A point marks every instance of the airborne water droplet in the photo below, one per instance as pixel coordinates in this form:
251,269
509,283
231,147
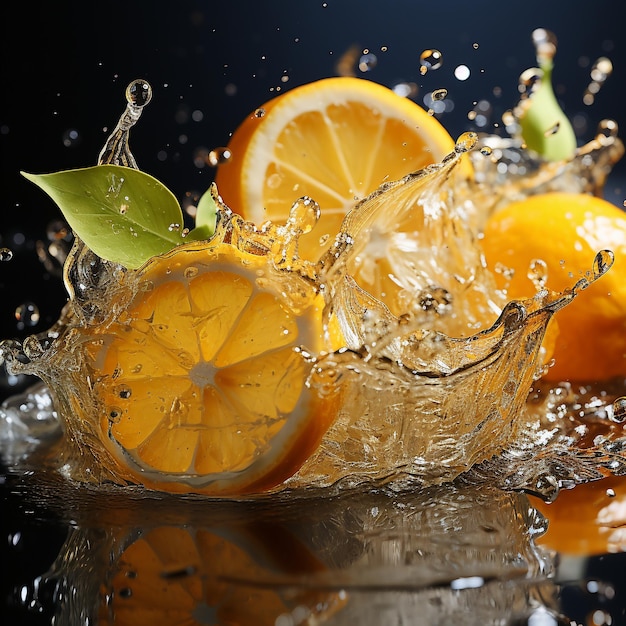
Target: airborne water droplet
439,94
57,229
32,347
602,263
466,142
545,45
538,273
218,156
27,314
607,131
530,80
430,60
619,409
6,254
367,62
139,93
304,214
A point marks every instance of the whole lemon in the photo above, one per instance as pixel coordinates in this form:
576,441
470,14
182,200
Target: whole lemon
566,231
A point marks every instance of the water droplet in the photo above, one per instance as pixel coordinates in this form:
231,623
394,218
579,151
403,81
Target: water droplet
114,414
367,62
304,214
218,156
599,617
260,112
27,314
439,94
545,44
190,272
601,69
462,72
435,299
602,263
475,46
32,347
124,392
173,227
486,150
125,592
56,230
529,81
538,273
466,142
406,90
610,493
619,409
607,130
139,93
430,59
6,254
71,138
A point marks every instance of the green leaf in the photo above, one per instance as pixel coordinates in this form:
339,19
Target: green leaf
207,210
122,214
206,216
545,127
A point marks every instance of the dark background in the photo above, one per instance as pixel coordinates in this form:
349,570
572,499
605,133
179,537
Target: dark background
65,67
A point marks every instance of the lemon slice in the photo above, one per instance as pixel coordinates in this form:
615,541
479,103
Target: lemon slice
335,140
202,379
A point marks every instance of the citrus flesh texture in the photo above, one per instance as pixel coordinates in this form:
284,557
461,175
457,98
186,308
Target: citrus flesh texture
566,231
335,140
202,381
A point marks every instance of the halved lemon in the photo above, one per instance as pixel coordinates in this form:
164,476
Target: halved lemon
202,379
335,140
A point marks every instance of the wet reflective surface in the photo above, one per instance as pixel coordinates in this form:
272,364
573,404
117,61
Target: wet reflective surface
452,554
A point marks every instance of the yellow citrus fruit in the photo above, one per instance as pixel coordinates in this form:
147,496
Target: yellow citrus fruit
335,140
201,378
566,231
586,520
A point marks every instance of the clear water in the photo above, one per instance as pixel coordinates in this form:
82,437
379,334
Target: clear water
427,395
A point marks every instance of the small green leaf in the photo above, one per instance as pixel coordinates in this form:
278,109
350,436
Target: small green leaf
207,210
122,214
545,127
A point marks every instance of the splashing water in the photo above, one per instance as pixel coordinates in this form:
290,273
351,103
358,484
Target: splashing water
434,377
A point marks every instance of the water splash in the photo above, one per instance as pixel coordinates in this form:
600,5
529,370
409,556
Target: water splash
116,150
434,373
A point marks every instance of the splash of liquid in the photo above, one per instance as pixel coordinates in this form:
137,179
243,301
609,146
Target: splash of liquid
434,376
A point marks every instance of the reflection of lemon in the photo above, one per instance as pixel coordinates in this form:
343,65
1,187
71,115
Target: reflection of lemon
334,140
566,231
203,385
173,575
588,519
